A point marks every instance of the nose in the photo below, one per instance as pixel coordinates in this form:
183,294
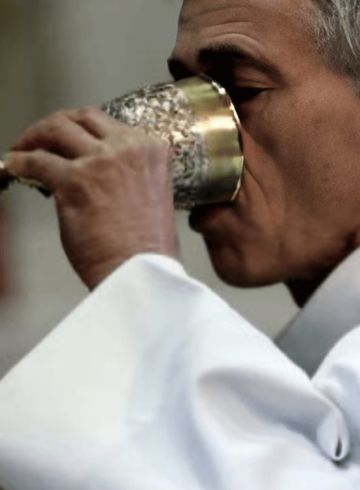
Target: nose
199,213
178,70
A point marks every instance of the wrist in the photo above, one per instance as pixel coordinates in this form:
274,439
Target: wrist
96,274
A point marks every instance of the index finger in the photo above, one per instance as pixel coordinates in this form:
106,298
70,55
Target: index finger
58,134
38,166
95,121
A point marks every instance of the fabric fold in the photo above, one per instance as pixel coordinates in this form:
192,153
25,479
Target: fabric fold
155,382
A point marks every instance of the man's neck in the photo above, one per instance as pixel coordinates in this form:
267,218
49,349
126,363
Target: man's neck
302,289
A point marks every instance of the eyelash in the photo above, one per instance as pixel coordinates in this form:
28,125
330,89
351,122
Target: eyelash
239,95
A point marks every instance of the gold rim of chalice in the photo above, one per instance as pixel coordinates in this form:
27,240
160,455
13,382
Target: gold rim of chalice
220,129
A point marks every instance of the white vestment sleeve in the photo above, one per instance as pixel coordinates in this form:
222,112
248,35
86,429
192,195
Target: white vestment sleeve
155,383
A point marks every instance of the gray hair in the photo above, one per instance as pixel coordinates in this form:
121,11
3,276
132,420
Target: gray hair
338,35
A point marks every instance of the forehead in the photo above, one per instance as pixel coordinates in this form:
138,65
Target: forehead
265,20
277,10
278,29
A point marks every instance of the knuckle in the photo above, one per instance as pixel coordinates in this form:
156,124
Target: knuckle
31,162
152,140
87,113
55,122
155,149
136,149
58,116
75,188
107,153
106,166
160,147
87,171
77,171
132,148
134,156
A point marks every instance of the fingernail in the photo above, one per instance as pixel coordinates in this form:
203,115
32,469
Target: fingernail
6,160
5,177
2,162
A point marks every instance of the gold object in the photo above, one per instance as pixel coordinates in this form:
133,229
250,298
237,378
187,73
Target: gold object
197,119
219,126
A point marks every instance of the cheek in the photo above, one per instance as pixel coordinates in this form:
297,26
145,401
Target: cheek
282,148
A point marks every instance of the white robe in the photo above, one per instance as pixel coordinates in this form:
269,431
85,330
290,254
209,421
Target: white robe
155,383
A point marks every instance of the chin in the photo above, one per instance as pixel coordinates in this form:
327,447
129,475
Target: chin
246,268
236,271
238,277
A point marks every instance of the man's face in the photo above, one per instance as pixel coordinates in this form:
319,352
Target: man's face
299,204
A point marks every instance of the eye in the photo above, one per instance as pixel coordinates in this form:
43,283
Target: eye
239,95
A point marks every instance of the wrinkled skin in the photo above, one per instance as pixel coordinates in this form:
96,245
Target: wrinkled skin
298,212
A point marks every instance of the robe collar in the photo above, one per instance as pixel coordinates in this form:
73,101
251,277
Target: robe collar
331,312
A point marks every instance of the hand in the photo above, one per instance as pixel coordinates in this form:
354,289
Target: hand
110,183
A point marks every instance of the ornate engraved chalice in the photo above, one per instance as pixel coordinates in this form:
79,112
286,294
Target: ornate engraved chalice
197,119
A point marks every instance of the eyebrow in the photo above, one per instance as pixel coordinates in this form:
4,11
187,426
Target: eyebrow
220,55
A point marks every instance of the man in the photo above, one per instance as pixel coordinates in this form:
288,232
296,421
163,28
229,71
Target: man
154,382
